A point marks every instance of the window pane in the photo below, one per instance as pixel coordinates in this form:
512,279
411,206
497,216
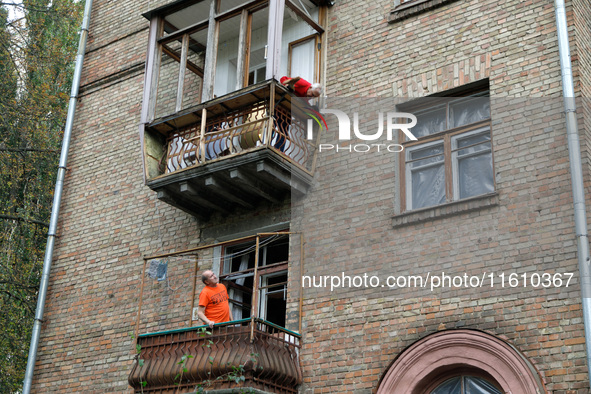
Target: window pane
429,121
474,149
426,176
294,30
273,298
225,71
469,110
428,186
475,175
451,386
193,74
258,41
473,139
479,386
302,59
168,80
426,152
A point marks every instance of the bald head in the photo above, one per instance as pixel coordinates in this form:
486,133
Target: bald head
209,278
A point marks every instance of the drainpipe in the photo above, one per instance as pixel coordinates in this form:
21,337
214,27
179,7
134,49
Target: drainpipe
59,185
576,171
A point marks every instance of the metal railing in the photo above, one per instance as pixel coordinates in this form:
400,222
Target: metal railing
264,123
259,353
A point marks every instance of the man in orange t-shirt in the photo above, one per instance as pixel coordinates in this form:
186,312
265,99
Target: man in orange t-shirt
213,301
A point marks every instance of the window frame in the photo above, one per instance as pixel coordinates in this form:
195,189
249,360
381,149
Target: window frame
259,272
446,137
465,372
158,39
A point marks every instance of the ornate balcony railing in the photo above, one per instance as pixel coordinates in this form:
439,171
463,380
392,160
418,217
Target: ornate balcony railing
250,353
233,151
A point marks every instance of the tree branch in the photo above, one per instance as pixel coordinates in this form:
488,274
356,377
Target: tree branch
9,217
20,150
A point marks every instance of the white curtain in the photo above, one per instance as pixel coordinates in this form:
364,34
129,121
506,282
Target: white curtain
238,295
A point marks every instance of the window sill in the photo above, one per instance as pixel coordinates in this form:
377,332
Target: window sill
414,7
446,210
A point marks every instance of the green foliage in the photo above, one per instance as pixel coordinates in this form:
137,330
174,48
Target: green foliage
235,375
37,51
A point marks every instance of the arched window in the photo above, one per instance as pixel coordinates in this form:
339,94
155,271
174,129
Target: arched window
466,385
461,362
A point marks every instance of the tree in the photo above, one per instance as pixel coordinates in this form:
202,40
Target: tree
37,53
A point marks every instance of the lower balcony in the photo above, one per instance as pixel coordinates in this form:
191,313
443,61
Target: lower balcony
234,152
249,353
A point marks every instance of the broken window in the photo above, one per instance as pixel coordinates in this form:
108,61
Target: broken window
261,284
200,50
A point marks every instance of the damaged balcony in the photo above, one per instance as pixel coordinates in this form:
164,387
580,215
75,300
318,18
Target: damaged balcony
236,151
248,353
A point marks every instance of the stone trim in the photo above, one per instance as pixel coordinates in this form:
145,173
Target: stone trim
446,210
434,355
413,7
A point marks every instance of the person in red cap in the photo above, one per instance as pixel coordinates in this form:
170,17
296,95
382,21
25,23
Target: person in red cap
301,87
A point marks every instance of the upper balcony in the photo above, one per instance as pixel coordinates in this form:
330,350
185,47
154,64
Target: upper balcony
233,151
218,131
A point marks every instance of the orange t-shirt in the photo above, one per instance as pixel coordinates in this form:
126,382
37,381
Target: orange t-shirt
215,301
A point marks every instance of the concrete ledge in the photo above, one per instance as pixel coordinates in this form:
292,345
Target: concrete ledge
446,210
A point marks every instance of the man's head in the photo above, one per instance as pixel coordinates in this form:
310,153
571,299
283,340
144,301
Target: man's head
314,91
209,278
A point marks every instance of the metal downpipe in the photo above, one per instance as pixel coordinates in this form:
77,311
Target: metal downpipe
576,171
61,173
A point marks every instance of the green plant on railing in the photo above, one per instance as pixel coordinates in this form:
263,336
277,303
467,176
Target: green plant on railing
202,331
183,364
236,375
140,362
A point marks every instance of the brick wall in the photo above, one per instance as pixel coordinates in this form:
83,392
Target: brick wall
110,220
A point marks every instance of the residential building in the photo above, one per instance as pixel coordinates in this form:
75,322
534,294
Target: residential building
443,263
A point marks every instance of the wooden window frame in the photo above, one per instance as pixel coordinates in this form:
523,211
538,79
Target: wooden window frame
446,136
158,40
301,41
257,272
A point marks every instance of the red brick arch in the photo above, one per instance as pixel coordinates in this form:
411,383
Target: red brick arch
436,356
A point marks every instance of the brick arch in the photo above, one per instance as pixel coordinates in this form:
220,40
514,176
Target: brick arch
436,355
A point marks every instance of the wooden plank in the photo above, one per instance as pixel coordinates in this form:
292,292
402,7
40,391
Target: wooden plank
175,56
182,70
249,46
202,136
252,186
211,53
292,183
243,48
305,17
225,192
153,71
268,133
186,30
193,291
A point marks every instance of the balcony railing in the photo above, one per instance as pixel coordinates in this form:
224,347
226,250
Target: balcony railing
233,151
249,353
